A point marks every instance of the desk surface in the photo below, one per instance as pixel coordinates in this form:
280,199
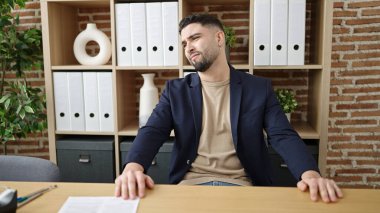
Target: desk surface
173,198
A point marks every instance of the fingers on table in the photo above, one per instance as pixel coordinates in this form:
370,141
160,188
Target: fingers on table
326,188
323,192
313,188
141,184
132,184
301,185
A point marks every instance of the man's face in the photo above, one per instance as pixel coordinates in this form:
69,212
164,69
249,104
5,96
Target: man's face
201,45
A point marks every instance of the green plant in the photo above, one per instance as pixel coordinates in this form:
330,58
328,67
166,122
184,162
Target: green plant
287,100
22,108
230,36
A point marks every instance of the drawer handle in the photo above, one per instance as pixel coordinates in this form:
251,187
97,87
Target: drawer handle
283,165
154,162
84,158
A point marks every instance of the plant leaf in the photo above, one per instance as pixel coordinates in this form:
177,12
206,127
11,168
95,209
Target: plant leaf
5,97
7,103
29,109
22,114
18,109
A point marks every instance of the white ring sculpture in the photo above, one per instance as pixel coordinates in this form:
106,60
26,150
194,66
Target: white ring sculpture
91,33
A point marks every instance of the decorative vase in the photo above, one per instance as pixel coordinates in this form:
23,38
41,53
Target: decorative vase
91,33
148,98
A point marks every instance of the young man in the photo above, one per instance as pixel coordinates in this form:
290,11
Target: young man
218,116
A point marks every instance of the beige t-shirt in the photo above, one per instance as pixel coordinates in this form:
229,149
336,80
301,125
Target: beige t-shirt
217,159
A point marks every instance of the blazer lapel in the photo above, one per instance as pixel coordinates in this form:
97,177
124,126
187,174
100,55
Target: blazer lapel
196,103
235,98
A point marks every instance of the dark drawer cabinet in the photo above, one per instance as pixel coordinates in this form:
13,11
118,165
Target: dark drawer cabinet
159,170
281,174
86,159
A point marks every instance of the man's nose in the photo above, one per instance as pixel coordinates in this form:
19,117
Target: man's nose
189,48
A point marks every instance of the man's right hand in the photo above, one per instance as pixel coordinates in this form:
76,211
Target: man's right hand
132,182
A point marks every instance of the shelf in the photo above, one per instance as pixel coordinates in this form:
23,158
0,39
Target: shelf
221,2
66,19
83,3
82,133
241,66
132,128
302,128
236,66
292,67
82,67
305,130
147,68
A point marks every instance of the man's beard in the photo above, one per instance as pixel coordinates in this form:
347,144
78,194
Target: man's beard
203,64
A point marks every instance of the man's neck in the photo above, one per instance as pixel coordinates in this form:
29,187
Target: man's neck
218,71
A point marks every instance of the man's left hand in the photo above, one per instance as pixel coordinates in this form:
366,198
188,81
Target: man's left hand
326,188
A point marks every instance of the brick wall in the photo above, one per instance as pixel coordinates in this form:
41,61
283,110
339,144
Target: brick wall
354,133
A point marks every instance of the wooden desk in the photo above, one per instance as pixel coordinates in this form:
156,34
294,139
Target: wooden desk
194,199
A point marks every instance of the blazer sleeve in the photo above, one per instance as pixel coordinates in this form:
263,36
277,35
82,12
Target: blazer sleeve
284,139
157,130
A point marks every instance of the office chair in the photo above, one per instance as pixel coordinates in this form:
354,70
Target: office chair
22,168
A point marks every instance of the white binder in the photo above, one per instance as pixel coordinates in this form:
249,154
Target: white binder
279,32
261,32
123,35
91,101
170,33
296,32
76,100
154,34
61,101
138,34
106,114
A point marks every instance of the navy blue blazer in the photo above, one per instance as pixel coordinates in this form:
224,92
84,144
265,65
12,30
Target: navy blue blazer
254,108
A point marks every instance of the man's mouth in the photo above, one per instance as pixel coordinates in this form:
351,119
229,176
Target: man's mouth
192,56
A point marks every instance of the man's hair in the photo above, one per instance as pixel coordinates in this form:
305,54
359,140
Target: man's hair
203,19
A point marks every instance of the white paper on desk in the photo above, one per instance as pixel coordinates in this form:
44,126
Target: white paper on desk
99,205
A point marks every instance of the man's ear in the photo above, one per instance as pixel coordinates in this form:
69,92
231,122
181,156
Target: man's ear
220,38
